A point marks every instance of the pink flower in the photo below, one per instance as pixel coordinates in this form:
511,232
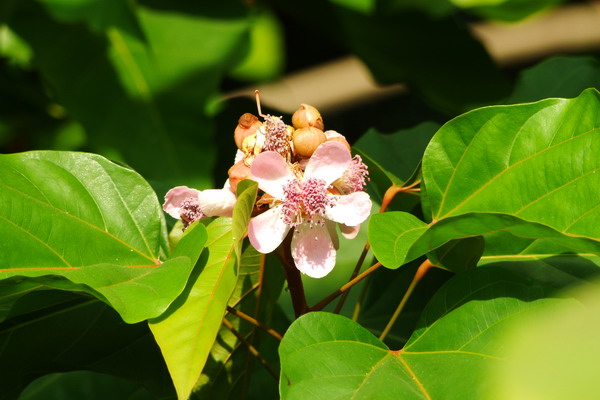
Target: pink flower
306,205
190,205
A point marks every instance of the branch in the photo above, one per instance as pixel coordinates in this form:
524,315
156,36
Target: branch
251,349
321,304
421,272
254,322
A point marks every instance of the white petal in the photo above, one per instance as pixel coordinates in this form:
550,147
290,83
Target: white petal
267,230
350,209
216,202
329,162
271,172
313,251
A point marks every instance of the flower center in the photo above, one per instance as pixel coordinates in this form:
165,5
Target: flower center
190,211
305,201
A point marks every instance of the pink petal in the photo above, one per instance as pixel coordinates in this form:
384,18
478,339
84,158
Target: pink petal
313,251
329,162
267,230
175,196
349,232
350,209
217,202
271,172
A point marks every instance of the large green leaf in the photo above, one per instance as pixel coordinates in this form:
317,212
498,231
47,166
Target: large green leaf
510,169
76,221
327,356
138,76
527,160
187,330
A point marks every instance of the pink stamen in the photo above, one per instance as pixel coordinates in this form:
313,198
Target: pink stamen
355,177
306,201
190,211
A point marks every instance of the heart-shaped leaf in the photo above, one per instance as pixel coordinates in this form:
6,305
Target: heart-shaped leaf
77,221
327,356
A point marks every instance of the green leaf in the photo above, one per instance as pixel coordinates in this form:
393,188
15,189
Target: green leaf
78,334
392,234
399,152
266,54
526,160
83,385
418,46
104,239
564,76
328,356
187,330
505,169
508,10
138,76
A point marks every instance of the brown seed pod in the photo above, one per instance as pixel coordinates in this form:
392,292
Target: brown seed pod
237,173
307,116
333,136
306,140
247,125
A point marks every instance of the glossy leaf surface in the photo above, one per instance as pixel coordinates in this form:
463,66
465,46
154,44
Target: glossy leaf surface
77,221
510,169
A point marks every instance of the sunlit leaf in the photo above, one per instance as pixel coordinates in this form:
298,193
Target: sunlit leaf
328,356
103,239
187,330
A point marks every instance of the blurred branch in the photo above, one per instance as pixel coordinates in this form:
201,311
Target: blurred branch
347,82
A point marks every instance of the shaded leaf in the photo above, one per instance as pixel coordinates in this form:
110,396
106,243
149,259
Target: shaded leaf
79,333
562,76
83,385
137,77
508,10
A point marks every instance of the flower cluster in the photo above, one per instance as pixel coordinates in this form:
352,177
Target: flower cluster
308,179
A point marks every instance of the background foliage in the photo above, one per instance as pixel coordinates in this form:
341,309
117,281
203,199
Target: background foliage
95,301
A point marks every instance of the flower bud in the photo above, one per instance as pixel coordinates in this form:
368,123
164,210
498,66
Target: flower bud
307,116
333,136
306,140
247,125
237,173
